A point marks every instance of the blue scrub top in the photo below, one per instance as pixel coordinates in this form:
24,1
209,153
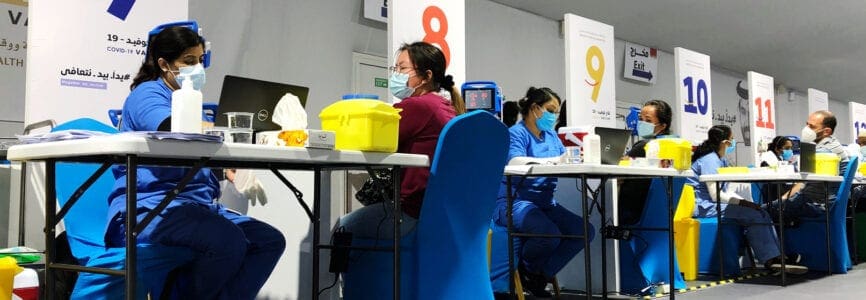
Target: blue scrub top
147,106
539,190
706,165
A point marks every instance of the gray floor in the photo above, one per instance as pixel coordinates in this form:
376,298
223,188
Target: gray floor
813,286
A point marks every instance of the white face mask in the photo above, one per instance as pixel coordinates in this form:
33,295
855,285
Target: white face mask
808,135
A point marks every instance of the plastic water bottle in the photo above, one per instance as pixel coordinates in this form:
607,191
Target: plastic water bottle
592,149
186,108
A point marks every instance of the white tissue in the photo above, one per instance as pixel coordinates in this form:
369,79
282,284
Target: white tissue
289,113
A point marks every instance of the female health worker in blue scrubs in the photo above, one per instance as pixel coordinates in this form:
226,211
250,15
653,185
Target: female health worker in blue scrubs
535,210
707,159
235,253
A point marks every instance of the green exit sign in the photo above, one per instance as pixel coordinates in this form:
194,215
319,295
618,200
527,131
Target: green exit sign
380,82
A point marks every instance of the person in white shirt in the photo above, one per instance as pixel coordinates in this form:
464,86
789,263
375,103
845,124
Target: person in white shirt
780,149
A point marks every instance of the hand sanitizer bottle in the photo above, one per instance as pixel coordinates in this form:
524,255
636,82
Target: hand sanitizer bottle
592,149
186,108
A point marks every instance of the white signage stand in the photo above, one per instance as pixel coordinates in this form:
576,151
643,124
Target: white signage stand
83,68
589,73
438,22
818,100
763,114
693,110
857,113
13,51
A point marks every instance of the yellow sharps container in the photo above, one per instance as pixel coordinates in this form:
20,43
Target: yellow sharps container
362,124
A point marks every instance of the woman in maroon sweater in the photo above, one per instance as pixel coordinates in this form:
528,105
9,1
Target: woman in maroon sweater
428,101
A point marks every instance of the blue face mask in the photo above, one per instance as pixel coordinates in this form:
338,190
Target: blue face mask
194,73
398,85
645,129
732,147
546,122
787,154
863,151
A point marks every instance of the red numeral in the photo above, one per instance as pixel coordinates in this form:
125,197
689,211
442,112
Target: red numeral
436,37
768,103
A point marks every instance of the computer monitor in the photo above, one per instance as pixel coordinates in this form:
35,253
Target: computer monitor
259,97
807,157
479,99
482,95
613,142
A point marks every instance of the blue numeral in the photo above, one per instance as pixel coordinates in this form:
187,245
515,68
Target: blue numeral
703,97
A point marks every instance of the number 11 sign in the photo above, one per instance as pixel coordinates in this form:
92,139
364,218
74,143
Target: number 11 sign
762,112
693,105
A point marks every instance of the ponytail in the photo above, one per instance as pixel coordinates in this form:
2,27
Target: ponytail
715,136
447,83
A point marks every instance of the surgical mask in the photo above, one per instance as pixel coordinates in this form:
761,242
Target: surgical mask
546,122
194,73
808,135
732,147
788,153
398,84
863,151
645,129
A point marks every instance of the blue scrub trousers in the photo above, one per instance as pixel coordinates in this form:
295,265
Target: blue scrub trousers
761,237
235,254
545,255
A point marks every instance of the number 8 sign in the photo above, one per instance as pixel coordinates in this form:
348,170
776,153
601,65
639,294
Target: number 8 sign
693,95
441,23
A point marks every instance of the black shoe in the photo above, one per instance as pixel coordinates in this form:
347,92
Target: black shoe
793,259
775,265
534,283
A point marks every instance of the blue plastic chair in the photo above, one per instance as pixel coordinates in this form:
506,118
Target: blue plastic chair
809,238
647,251
85,228
708,248
446,256
209,110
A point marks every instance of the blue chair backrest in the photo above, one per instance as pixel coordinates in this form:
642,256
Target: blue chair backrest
840,208
651,250
461,193
209,110
85,222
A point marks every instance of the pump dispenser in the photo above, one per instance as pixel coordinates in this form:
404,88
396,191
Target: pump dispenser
186,108
592,149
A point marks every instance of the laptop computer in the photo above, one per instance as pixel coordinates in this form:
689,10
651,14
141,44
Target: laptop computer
807,157
613,142
259,97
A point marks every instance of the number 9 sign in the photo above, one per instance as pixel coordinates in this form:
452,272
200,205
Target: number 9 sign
595,71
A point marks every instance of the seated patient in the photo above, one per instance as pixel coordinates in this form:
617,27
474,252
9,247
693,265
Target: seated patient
417,78
235,254
707,159
534,209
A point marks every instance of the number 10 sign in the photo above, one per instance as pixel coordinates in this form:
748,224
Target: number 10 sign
693,106
762,112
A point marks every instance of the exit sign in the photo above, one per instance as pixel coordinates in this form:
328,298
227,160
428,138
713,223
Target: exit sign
380,82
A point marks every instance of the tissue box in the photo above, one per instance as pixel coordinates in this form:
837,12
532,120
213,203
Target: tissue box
309,138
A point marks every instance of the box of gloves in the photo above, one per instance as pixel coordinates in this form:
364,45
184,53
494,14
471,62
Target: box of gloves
309,138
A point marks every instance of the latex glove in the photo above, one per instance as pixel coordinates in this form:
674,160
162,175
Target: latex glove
249,186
